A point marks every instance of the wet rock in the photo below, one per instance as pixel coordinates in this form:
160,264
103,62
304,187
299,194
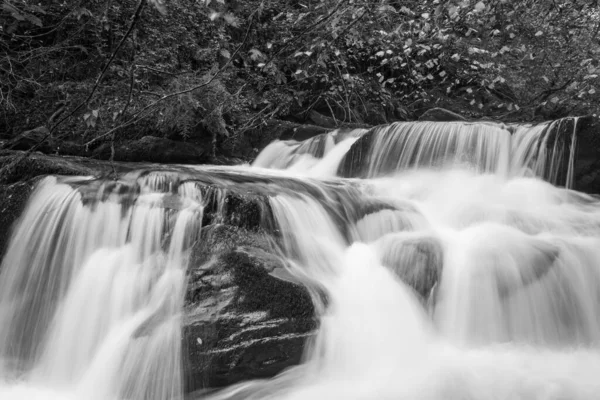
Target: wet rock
20,167
441,115
242,320
538,262
416,260
587,158
356,161
13,201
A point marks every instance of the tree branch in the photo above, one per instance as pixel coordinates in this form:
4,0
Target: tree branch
140,114
134,18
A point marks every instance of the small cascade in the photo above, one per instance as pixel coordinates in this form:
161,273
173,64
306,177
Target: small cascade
319,156
545,150
403,145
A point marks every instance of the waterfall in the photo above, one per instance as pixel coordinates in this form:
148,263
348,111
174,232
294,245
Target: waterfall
544,150
444,261
91,292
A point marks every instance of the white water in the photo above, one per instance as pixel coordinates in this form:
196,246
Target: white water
469,283
92,299
515,316
509,151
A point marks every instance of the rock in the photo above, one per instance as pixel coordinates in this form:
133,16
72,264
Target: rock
156,150
321,120
441,115
242,320
301,132
417,261
37,164
587,164
355,162
14,199
33,137
245,315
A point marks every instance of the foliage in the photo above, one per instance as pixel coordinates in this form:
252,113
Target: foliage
355,60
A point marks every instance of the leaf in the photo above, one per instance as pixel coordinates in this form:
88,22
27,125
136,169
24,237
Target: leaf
256,55
479,6
406,10
34,20
452,11
539,33
225,53
159,5
231,20
90,118
380,53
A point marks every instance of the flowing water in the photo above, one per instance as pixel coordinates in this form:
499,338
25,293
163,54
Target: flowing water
470,272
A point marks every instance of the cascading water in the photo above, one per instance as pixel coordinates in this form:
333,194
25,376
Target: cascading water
91,294
474,281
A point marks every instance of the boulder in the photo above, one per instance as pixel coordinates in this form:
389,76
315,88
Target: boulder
441,115
242,320
416,260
